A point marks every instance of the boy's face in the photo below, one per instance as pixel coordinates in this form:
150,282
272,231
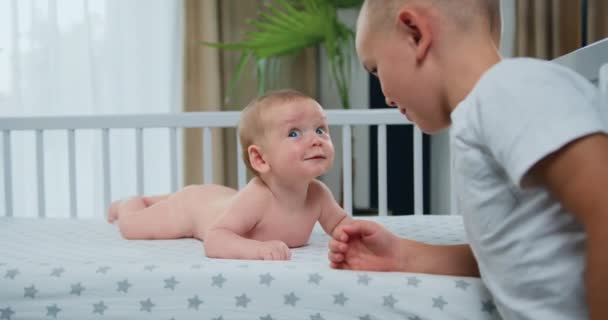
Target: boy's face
298,144
390,53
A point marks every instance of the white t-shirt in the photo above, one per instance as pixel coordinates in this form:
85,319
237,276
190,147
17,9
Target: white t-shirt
530,250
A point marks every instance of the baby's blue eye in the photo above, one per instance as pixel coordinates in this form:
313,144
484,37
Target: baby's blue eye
320,131
293,133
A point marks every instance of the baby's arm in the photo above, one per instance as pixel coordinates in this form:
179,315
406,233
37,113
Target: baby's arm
332,215
578,176
226,239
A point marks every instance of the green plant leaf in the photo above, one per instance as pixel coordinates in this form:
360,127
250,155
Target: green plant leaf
288,27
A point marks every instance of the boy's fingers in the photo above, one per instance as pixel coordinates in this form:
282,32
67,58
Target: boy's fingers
359,228
335,257
337,246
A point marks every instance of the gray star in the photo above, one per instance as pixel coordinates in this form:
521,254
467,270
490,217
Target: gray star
146,305
194,302
314,278
340,299
218,281
242,300
462,284
291,299
77,289
488,306
364,279
6,313
123,286
316,317
12,273
413,281
439,302
52,311
365,317
171,283
103,269
389,301
266,317
150,267
266,279
30,292
57,272
99,307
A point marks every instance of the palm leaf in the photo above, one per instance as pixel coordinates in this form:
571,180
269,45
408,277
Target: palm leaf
288,27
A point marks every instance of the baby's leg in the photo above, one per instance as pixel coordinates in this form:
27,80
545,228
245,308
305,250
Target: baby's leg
160,220
114,212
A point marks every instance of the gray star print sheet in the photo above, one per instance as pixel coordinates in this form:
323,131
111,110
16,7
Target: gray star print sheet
83,269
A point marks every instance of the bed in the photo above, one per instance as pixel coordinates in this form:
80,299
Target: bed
80,268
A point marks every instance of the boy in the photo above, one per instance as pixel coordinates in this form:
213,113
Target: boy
529,153
286,142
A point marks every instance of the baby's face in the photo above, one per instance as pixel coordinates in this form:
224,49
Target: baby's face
298,144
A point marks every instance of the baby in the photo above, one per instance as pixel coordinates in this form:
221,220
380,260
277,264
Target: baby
286,143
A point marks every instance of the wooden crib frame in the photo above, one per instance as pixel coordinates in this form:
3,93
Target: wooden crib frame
206,121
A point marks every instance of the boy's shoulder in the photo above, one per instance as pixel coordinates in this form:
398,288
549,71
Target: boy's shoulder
523,73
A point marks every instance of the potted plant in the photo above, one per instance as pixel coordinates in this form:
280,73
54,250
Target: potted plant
286,27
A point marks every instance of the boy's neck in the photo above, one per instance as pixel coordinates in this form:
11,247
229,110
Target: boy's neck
290,194
465,65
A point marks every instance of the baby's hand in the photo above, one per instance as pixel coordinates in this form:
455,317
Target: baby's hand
274,250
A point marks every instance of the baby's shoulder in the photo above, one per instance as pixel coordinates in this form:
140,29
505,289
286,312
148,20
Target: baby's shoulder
257,189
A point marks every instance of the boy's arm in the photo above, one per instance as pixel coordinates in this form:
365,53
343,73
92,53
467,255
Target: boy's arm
226,237
332,215
577,175
367,245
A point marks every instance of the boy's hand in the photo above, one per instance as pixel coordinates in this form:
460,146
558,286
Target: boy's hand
365,245
274,250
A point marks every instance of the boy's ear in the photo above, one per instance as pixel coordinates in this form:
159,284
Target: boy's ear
256,159
417,22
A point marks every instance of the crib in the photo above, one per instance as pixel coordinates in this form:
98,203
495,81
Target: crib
80,268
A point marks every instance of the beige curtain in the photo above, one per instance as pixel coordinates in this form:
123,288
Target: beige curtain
208,73
551,28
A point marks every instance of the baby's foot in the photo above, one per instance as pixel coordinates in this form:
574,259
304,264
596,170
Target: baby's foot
113,211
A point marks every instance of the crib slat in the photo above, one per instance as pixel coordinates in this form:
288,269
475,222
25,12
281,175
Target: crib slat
207,157
72,171
347,172
139,146
105,153
40,172
173,151
240,165
418,184
382,190
8,178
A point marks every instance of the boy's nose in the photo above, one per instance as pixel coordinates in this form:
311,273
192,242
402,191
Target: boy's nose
390,102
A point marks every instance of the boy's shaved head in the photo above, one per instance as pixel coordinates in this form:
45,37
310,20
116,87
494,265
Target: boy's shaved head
463,12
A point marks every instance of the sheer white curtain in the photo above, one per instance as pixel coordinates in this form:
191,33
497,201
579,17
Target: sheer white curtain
74,57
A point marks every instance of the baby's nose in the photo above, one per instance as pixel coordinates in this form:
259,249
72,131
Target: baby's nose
390,102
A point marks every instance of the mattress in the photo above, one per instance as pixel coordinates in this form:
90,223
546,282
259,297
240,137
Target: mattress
83,269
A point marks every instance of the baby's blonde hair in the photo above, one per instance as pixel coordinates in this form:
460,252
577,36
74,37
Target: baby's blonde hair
251,126
463,12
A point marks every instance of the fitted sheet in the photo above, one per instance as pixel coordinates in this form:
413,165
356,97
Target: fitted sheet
83,269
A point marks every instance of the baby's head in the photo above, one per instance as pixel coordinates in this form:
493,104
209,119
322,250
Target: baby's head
424,50
283,129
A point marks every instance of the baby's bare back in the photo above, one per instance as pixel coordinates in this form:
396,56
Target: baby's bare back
202,204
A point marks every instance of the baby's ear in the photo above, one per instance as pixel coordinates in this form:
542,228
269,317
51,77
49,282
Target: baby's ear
256,159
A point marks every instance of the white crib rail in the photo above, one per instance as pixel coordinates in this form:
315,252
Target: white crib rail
205,120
